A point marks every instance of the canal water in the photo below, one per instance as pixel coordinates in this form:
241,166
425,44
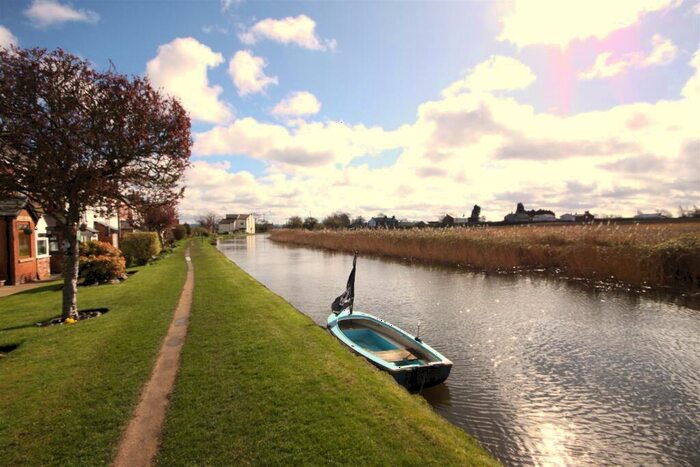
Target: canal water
546,372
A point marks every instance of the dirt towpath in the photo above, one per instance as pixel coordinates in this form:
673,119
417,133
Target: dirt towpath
139,443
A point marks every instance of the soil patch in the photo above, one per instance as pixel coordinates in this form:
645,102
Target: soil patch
88,313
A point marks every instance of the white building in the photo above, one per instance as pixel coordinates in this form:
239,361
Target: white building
237,223
544,218
567,218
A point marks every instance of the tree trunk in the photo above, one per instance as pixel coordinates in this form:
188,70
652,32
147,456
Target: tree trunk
71,264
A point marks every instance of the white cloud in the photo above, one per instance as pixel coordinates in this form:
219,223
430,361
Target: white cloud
462,149
180,68
662,53
43,13
306,145
246,71
543,22
6,37
298,104
495,74
210,28
691,90
299,30
228,4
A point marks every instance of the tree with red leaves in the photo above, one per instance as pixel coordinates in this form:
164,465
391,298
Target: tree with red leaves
157,218
72,137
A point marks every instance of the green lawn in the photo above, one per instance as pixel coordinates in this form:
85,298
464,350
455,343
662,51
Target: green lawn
67,391
260,383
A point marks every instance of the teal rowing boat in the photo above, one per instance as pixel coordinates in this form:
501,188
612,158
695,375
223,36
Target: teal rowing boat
411,362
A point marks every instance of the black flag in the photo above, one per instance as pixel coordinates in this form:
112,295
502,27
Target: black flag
346,298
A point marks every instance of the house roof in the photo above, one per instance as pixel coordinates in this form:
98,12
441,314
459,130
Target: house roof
234,217
384,219
13,206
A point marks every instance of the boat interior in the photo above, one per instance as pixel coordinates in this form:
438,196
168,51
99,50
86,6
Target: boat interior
386,343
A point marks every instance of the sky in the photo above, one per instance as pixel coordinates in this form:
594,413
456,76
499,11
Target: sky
413,109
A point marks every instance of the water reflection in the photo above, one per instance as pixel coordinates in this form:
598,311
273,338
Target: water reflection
545,371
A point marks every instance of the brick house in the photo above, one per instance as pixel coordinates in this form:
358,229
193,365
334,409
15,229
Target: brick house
24,245
95,225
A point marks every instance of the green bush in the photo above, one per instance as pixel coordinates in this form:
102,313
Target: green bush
179,232
101,262
140,247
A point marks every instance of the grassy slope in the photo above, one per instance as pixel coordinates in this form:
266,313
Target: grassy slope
260,383
67,391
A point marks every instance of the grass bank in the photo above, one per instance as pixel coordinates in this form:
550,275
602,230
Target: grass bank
260,383
656,255
67,391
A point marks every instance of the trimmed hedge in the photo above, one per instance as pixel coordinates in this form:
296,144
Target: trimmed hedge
140,247
100,262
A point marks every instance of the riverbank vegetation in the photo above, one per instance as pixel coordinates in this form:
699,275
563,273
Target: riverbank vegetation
260,383
68,390
639,255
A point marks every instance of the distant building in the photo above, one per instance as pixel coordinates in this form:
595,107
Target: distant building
521,215
655,215
237,223
383,222
411,224
518,217
450,221
585,217
567,217
544,218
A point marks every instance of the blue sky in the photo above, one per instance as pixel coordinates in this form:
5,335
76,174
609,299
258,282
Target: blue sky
411,108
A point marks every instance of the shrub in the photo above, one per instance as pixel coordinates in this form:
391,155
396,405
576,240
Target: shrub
140,247
200,232
101,262
179,232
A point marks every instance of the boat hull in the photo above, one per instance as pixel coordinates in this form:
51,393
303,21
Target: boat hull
412,363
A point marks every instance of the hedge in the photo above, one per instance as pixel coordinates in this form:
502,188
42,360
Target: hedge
140,247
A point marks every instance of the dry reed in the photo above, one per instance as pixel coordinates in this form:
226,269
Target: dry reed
636,254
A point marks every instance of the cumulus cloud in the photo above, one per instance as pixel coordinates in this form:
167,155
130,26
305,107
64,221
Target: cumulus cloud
307,145
299,30
498,73
180,68
640,164
464,148
247,72
6,37
298,104
662,53
542,22
523,148
44,13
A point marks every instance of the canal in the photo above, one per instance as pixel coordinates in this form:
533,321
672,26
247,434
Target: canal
545,371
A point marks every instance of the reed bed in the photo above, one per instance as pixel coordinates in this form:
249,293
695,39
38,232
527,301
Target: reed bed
636,254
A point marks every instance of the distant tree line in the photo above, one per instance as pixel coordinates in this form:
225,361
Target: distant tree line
337,220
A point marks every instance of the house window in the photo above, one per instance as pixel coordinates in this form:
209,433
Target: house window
42,246
25,250
54,245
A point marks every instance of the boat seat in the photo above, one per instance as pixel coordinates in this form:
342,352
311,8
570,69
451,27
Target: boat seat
396,355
